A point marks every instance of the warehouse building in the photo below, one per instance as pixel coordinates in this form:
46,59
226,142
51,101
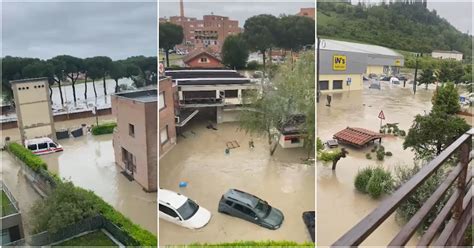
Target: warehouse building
343,64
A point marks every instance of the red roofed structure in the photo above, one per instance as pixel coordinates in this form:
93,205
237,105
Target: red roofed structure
357,136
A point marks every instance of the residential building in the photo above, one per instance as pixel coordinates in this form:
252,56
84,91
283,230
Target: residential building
447,55
11,221
134,139
166,108
308,12
343,64
33,108
220,92
202,59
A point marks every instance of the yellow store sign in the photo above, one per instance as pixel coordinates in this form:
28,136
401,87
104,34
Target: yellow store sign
339,62
397,62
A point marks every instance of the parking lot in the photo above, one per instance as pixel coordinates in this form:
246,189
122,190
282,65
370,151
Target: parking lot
283,180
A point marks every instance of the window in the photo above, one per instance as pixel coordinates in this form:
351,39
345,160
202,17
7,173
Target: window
337,85
162,100
168,211
228,202
43,146
131,130
164,135
32,147
324,85
129,160
239,207
231,93
52,145
295,140
204,59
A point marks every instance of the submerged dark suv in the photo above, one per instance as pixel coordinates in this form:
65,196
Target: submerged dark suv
251,208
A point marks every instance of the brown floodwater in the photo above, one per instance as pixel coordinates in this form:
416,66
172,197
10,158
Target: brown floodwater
340,206
199,159
89,162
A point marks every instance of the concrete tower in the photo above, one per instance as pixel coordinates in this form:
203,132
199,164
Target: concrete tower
181,8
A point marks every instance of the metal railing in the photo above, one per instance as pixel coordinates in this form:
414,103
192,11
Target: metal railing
12,206
458,209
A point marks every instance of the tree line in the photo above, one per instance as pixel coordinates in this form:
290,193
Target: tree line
402,25
262,33
140,69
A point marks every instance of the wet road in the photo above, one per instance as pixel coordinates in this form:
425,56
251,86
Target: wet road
340,206
199,159
89,162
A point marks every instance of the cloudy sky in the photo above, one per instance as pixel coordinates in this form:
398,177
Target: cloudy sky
236,9
47,29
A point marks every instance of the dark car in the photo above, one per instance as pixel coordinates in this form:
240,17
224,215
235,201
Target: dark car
251,208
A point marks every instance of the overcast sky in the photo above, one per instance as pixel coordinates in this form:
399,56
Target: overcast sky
235,10
47,29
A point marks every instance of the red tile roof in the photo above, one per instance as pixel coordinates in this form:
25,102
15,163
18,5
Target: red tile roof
356,136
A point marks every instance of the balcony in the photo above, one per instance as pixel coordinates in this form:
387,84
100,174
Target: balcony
457,211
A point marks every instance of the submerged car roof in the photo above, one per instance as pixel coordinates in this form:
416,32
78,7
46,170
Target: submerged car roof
38,140
171,198
243,197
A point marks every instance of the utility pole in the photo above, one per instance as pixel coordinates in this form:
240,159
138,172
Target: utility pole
416,73
318,93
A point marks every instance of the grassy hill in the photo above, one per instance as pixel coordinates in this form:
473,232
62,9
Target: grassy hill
401,26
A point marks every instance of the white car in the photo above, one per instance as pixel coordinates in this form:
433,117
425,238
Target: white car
41,146
181,210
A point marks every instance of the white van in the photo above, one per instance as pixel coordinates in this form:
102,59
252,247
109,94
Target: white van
42,146
181,210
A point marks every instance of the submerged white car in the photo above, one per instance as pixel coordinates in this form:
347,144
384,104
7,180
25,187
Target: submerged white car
181,210
41,146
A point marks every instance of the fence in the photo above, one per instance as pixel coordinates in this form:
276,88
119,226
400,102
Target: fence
85,225
457,210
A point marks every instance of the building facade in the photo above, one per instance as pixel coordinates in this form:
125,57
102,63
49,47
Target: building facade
166,108
343,64
209,32
447,55
308,12
33,108
134,139
202,59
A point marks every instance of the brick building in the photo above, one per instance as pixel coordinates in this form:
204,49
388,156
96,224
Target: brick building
134,140
167,115
308,12
202,59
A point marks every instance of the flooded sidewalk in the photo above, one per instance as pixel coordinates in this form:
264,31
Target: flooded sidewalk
89,162
340,206
199,159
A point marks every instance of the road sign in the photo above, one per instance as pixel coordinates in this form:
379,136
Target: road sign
381,115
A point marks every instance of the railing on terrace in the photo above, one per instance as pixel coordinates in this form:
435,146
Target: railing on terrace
11,206
458,209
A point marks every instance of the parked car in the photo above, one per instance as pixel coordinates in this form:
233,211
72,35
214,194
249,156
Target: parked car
41,146
251,208
181,210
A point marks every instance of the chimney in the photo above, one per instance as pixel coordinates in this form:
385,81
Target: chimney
181,8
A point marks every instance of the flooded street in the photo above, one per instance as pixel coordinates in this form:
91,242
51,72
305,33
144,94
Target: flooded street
340,206
199,159
89,162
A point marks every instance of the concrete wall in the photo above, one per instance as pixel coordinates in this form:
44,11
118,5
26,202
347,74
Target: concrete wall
167,115
33,109
356,82
456,56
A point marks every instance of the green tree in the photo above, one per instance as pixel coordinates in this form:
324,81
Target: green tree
71,67
234,52
40,69
294,32
292,93
427,77
446,100
59,68
259,33
64,206
170,36
117,71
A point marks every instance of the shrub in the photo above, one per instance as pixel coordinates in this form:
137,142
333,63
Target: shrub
319,144
388,154
380,155
402,133
328,156
389,130
368,156
29,158
362,179
253,65
105,128
374,149
380,183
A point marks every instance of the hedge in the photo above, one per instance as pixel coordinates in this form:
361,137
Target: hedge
29,158
268,243
105,128
140,236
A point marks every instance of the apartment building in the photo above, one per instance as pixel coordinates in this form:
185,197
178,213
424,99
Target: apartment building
134,140
308,12
167,115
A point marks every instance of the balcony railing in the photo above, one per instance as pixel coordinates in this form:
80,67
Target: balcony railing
458,209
